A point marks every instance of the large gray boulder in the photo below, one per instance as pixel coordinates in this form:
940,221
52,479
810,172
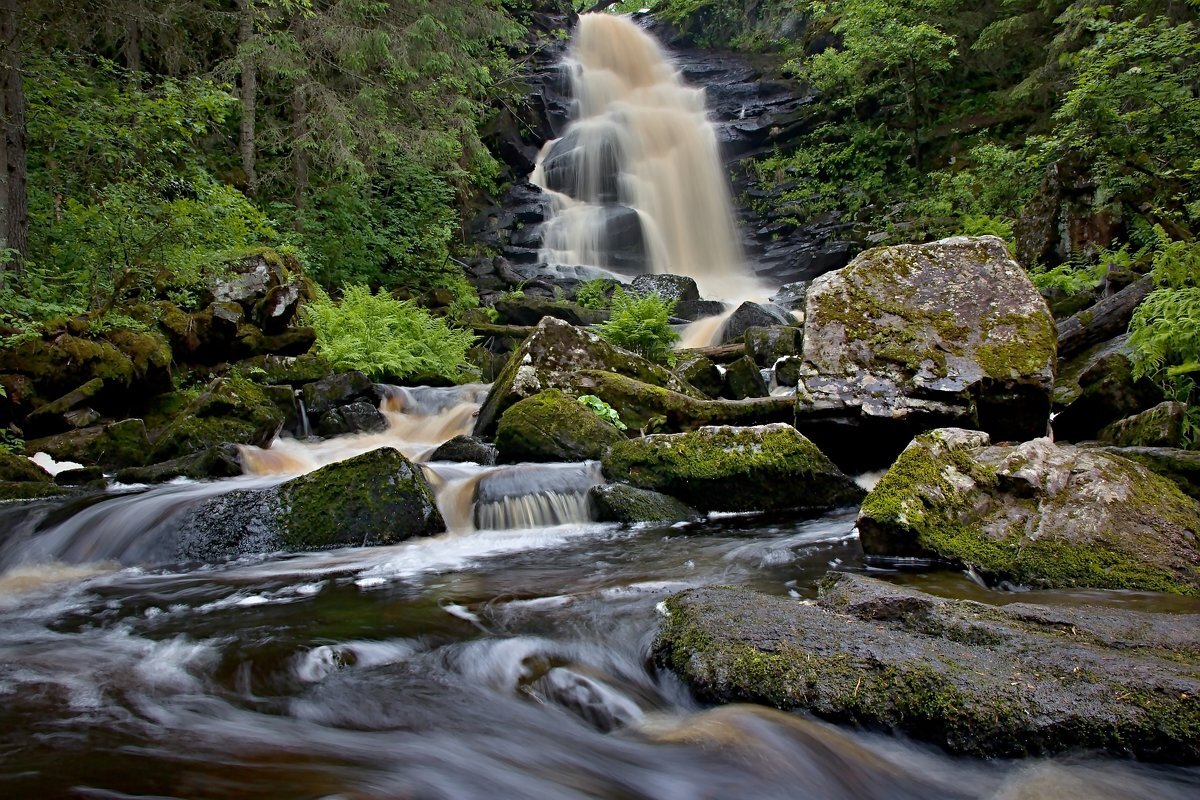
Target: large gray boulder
553,357
977,679
723,468
376,498
1034,513
952,330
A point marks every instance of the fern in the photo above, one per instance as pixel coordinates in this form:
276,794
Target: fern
641,324
386,338
594,294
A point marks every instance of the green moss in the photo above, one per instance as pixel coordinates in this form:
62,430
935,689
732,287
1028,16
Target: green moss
29,490
552,426
18,468
1016,344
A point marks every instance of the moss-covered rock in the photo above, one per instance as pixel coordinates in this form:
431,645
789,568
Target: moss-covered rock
229,409
979,680
56,416
376,498
768,345
949,321
552,426
118,444
531,311
619,502
700,372
722,468
743,380
129,362
221,461
30,490
1161,426
19,468
553,357
293,371
1034,513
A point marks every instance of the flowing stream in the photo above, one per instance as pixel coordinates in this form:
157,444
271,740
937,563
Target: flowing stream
507,658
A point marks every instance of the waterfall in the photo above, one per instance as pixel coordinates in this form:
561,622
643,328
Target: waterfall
636,180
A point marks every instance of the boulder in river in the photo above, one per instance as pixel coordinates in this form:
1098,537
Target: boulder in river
552,426
620,502
21,479
377,498
723,468
979,680
1034,513
955,323
465,449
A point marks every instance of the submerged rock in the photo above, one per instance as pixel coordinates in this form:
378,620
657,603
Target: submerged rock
553,357
552,426
954,326
377,498
619,502
764,468
1034,513
978,680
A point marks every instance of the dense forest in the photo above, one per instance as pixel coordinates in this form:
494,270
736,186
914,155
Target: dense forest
148,144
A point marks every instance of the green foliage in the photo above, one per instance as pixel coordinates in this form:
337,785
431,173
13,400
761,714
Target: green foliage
10,442
602,409
1069,278
594,294
386,338
640,324
1165,330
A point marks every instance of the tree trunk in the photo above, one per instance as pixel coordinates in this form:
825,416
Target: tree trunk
249,91
132,49
15,196
299,152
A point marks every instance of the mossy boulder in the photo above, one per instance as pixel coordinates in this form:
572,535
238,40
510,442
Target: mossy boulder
979,680
743,380
285,370
30,490
553,357
1161,426
768,345
723,468
700,372
1036,514
753,315
376,498
956,322
619,502
220,461
552,426
131,363
125,443
19,468
1181,467
229,409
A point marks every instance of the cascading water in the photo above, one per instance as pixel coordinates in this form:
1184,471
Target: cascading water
636,179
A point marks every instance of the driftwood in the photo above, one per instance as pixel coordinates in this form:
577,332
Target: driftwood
720,353
1102,321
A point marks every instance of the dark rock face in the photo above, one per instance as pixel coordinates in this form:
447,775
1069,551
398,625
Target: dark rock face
1097,388
356,417
376,498
692,310
465,448
555,356
975,679
618,502
700,372
764,468
1036,514
552,426
950,330
753,315
530,311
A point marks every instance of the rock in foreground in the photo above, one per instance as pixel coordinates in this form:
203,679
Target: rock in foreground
1035,513
979,680
721,468
376,498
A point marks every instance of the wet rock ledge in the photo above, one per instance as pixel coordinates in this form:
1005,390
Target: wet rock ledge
979,680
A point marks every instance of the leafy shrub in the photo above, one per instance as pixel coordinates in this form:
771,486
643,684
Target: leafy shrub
1165,329
594,294
641,324
385,337
1069,278
602,410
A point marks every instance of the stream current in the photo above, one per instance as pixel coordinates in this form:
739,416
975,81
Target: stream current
499,660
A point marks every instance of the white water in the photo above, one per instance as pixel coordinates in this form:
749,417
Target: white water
632,106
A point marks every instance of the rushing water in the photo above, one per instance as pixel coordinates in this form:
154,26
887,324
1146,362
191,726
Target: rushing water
507,659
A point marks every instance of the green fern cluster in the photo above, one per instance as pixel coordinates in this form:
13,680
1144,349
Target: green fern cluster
386,338
1165,330
641,324
594,294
